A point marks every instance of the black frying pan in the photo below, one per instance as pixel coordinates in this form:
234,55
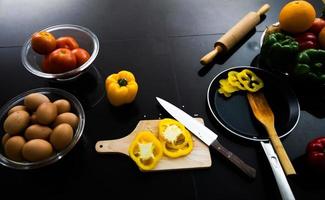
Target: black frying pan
235,115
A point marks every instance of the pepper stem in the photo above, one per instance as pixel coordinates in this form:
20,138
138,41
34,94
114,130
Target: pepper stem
122,82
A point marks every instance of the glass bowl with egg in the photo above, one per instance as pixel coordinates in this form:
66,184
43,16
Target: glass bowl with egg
73,36
39,127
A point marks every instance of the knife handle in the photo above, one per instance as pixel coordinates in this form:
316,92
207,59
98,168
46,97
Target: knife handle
248,170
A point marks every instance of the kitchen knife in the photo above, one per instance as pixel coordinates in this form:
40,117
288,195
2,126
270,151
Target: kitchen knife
206,135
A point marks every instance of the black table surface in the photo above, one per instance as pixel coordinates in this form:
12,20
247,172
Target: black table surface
161,42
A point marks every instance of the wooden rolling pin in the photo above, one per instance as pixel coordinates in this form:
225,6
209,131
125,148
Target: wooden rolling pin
235,34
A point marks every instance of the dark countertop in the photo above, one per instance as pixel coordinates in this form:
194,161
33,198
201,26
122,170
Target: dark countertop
161,42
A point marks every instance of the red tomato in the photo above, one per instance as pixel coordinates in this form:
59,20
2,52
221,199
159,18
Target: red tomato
46,65
82,55
306,40
43,42
317,25
66,42
62,60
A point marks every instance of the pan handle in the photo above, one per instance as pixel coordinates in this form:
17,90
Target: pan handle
278,172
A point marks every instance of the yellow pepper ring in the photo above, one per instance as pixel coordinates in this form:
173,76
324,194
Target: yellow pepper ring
233,80
175,153
244,80
146,150
250,80
172,132
222,91
227,87
176,139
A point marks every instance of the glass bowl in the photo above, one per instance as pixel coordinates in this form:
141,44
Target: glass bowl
264,33
86,39
53,94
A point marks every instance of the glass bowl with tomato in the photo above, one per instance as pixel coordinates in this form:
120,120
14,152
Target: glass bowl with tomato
27,141
60,52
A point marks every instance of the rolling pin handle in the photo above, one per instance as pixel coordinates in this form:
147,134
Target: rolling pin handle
208,58
263,9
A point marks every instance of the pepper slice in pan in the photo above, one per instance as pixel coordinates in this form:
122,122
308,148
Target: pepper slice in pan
244,80
146,150
226,88
222,91
250,80
233,80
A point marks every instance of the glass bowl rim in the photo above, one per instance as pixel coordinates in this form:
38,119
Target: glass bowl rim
27,47
58,155
277,24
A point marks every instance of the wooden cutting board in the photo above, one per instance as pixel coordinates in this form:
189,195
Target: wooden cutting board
199,157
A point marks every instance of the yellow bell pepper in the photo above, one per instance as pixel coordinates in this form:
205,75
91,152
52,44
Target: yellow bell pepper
175,138
146,150
121,88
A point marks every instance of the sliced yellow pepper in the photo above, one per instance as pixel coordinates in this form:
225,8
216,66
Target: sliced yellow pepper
233,80
121,88
172,132
227,87
175,138
146,150
244,80
175,153
222,91
250,80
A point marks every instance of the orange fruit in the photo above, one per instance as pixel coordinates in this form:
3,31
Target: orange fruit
297,16
321,38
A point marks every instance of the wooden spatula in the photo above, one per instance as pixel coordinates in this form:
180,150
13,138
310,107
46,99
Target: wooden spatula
263,113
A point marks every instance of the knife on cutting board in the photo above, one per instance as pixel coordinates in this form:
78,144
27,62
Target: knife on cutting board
206,135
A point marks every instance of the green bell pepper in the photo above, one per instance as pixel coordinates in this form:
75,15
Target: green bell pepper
311,66
279,52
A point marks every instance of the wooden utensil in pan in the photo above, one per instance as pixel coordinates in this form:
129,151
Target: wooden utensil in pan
264,114
235,34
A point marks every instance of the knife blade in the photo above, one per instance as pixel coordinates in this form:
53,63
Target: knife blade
206,135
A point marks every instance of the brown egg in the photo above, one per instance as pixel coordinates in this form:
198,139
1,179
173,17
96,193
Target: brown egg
32,101
37,149
32,119
62,105
68,118
16,122
46,113
5,138
13,148
37,131
16,108
61,136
